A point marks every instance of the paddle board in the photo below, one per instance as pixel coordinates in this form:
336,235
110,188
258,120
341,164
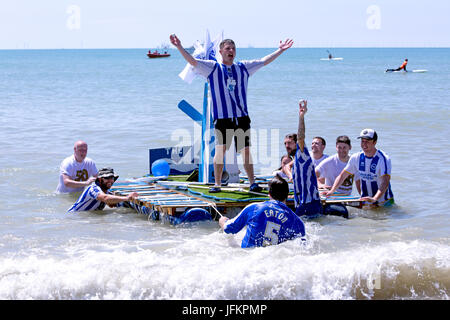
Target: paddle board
324,59
410,71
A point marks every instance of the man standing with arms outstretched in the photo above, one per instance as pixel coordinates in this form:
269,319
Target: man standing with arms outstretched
228,82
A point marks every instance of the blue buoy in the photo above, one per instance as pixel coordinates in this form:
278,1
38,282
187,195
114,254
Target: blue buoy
160,168
193,215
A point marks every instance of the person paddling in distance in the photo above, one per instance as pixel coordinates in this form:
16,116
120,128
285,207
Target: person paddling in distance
374,169
402,67
268,223
228,82
97,195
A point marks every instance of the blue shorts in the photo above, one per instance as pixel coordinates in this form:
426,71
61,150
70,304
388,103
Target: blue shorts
310,209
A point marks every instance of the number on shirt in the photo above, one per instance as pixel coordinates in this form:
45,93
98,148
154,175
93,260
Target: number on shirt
270,237
82,175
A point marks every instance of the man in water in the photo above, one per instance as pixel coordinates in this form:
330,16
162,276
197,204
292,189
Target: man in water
97,195
228,83
285,169
374,169
306,193
270,222
328,170
403,66
76,171
318,145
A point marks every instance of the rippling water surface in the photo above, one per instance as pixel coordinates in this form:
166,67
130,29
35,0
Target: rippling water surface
122,104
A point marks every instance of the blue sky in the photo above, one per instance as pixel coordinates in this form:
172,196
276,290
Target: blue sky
147,24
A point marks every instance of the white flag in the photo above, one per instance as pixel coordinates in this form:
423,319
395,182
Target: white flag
208,51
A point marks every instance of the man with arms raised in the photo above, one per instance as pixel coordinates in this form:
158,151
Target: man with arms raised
97,195
328,170
306,193
269,222
318,145
76,171
228,83
374,169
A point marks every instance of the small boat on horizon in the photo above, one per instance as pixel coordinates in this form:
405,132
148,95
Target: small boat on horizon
156,54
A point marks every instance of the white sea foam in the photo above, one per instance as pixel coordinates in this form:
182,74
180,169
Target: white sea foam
215,267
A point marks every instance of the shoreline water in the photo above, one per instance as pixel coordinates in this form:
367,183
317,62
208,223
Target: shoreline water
122,104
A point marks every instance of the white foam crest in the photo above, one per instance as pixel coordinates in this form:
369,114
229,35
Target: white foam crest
215,267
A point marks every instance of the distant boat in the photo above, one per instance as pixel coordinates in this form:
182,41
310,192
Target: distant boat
157,54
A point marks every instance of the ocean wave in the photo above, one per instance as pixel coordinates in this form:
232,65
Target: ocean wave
214,267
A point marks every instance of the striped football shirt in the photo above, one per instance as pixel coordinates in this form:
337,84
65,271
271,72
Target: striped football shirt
88,200
371,169
228,86
304,177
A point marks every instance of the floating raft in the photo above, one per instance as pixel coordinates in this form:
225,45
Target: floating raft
171,199
156,199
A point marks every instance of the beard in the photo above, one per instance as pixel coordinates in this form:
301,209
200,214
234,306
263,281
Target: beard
105,186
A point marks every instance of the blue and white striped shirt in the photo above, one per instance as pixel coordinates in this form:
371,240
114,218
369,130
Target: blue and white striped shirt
371,169
228,86
88,200
304,177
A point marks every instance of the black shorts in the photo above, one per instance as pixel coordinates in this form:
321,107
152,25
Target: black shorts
226,129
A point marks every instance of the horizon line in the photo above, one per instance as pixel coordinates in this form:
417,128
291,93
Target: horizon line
243,47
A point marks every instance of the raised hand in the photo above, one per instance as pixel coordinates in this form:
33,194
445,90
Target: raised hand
286,44
303,105
174,40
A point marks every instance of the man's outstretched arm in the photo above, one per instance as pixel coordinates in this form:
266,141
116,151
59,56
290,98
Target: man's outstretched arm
281,48
186,55
301,124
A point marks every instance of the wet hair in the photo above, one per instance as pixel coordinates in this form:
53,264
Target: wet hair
278,188
292,136
322,139
343,139
226,41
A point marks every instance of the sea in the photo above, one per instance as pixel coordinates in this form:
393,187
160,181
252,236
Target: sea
123,104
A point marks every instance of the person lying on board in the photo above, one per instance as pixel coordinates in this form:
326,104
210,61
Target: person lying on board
328,170
374,169
76,171
228,82
402,67
97,195
268,223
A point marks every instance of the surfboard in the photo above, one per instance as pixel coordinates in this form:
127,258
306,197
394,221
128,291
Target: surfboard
327,59
410,71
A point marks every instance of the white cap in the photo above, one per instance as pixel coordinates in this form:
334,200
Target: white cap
368,134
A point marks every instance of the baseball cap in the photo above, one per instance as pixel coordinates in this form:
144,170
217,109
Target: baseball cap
368,134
